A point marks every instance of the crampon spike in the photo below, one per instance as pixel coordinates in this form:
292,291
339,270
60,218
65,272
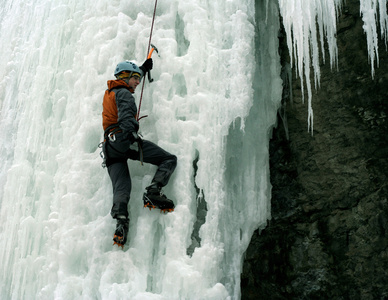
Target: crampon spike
149,205
162,210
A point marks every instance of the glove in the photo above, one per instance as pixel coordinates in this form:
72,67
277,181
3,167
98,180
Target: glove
147,66
136,142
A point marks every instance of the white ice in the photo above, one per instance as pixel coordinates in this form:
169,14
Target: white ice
213,103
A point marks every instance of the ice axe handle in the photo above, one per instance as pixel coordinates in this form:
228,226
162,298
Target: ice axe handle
150,54
149,72
149,77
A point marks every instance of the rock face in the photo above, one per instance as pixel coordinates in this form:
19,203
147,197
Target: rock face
328,237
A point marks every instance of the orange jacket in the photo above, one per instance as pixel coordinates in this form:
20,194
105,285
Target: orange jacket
119,107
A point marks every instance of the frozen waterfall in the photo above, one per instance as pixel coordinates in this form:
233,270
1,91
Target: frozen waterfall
213,103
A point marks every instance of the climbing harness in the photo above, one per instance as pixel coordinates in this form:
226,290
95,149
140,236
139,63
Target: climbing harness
109,134
149,56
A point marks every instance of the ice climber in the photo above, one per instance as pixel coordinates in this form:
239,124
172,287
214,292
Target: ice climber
122,142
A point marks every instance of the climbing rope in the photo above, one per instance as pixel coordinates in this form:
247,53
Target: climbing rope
148,56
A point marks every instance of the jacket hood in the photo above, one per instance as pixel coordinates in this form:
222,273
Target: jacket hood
118,83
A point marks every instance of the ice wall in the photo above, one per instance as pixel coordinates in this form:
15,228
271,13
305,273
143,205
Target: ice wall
210,104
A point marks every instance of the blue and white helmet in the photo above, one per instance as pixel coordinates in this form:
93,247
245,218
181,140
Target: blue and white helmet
127,66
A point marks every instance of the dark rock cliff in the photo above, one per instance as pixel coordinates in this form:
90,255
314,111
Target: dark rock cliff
328,237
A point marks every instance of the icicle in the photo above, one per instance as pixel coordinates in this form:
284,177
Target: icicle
303,20
369,11
300,19
383,20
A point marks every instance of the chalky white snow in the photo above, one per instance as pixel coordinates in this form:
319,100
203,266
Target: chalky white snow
216,91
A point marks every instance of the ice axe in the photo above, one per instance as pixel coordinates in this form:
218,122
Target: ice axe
149,56
149,78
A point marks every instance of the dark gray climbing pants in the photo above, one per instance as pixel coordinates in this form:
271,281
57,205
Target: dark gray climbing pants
117,153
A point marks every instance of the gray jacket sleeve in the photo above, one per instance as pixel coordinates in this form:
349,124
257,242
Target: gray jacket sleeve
126,108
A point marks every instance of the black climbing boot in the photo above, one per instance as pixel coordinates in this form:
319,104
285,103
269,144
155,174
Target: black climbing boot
154,198
121,232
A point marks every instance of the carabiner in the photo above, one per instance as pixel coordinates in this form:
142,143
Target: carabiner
112,137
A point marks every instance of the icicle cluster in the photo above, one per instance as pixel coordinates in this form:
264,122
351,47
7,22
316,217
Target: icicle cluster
374,12
311,24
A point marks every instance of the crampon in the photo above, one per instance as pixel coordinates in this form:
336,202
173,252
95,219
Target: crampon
118,240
